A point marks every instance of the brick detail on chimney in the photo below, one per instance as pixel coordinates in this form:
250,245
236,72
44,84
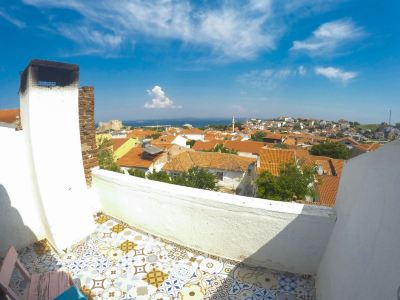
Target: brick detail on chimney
88,131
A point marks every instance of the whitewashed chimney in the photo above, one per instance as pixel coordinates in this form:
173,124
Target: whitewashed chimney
50,118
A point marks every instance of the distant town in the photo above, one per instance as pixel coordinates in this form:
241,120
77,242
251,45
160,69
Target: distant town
252,157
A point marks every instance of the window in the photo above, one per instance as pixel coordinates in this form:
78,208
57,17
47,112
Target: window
220,175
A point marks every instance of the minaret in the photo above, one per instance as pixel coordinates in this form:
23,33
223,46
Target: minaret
233,124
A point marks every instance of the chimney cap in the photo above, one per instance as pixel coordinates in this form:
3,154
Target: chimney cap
47,73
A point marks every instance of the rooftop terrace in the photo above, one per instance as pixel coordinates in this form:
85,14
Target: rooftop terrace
246,248
118,261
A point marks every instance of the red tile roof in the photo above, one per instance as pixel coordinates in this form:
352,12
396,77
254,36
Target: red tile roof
201,146
208,160
327,189
245,146
271,159
135,159
116,143
9,115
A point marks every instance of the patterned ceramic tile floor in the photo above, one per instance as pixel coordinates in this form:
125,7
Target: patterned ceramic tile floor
120,262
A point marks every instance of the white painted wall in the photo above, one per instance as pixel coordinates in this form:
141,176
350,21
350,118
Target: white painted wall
278,235
50,119
20,215
180,141
362,259
194,137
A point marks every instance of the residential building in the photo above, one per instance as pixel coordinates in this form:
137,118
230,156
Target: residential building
166,140
274,138
245,148
122,146
234,173
328,170
194,134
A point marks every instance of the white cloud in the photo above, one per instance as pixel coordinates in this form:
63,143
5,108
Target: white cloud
335,74
270,78
330,37
232,30
160,100
11,19
92,41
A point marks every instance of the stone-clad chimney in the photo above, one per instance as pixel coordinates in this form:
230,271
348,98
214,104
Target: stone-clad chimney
88,131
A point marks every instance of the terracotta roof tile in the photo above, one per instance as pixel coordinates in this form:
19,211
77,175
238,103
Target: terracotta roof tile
141,133
245,146
9,115
116,143
135,159
164,140
271,159
200,146
208,160
327,189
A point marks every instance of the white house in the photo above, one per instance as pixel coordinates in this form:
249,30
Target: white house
234,172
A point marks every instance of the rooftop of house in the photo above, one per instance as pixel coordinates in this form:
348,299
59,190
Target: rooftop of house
245,146
272,159
118,261
163,140
210,160
368,147
141,133
191,131
9,115
200,146
118,142
135,159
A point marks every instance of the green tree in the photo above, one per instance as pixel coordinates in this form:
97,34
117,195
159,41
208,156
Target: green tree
106,156
258,136
137,173
197,178
332,150
154,136
293,183
297,126
190,143
159,176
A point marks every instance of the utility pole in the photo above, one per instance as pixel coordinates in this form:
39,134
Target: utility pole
390,116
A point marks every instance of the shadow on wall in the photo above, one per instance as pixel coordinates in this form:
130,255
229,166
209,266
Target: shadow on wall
248,281
12,228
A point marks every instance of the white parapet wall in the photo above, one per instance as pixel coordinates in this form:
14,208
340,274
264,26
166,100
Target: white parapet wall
362,259
21,217
273,234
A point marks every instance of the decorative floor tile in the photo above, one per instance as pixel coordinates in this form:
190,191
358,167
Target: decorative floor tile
118,261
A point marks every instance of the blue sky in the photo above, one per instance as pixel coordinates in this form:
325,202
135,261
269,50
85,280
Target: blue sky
146,59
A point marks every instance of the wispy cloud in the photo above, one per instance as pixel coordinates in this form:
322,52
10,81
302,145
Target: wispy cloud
160,99
330,37
20,24
270,78
231,30
335,74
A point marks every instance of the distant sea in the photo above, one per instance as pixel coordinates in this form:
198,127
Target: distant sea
180,122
